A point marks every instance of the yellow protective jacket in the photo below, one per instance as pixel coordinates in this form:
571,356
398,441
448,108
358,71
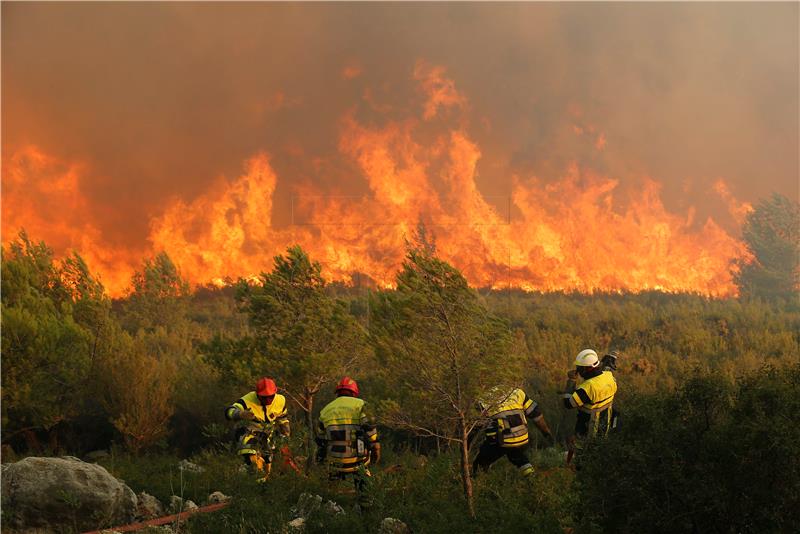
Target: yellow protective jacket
273,413
594,399
343,423
509,425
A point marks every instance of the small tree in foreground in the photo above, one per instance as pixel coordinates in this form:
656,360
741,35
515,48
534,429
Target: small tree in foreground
51,311
443,352
301,334
135,386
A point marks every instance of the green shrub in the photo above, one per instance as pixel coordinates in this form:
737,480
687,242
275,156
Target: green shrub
714,456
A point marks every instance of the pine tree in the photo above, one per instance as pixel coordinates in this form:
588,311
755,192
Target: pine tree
301,335
443,351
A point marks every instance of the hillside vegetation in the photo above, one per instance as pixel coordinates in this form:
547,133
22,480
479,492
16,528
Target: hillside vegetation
709,392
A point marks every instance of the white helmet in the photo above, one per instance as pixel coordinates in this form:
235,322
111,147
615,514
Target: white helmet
587,358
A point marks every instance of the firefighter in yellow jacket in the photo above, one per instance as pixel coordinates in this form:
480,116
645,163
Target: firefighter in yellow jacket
593,398
507,432
265,411
348,439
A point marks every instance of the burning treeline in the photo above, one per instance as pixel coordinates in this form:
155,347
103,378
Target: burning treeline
580,232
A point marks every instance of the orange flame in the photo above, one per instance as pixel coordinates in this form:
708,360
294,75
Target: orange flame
578,233
43,195
440,91
738,210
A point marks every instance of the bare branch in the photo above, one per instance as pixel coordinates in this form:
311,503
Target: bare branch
295,399
417,429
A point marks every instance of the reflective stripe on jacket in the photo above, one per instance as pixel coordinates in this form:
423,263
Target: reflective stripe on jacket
509,417
341,424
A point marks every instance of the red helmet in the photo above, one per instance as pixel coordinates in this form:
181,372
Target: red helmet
347,384
266,387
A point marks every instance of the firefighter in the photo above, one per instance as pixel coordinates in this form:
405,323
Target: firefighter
594,398
348,439
507,432
264,410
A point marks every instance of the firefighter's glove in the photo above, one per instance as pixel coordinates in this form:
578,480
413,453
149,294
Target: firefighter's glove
375,453
572,374
246,415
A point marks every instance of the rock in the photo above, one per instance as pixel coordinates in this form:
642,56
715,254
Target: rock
64,494
95,455
306,505
332,508
217,497
186,465
149,507
390,525
177,505
296,525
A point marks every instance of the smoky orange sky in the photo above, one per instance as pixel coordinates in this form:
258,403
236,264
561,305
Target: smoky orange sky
548,146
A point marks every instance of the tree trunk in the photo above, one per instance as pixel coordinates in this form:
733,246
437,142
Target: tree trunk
52,440
308,406
466,476
31,440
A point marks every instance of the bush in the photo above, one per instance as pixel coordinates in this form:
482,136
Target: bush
423,492
715,456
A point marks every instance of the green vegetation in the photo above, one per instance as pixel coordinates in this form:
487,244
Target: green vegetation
772,233
423,491
441,352
299,332
709,390
713,456
49,311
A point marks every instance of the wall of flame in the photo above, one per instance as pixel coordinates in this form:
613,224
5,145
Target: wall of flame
581,232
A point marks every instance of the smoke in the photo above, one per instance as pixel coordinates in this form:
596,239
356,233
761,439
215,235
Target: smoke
155,102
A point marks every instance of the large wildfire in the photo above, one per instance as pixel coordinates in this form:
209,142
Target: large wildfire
581,232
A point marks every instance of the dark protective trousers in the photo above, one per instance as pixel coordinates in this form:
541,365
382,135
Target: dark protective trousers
489,453
362,482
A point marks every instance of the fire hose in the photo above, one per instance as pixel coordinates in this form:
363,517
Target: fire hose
288,459
174,518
